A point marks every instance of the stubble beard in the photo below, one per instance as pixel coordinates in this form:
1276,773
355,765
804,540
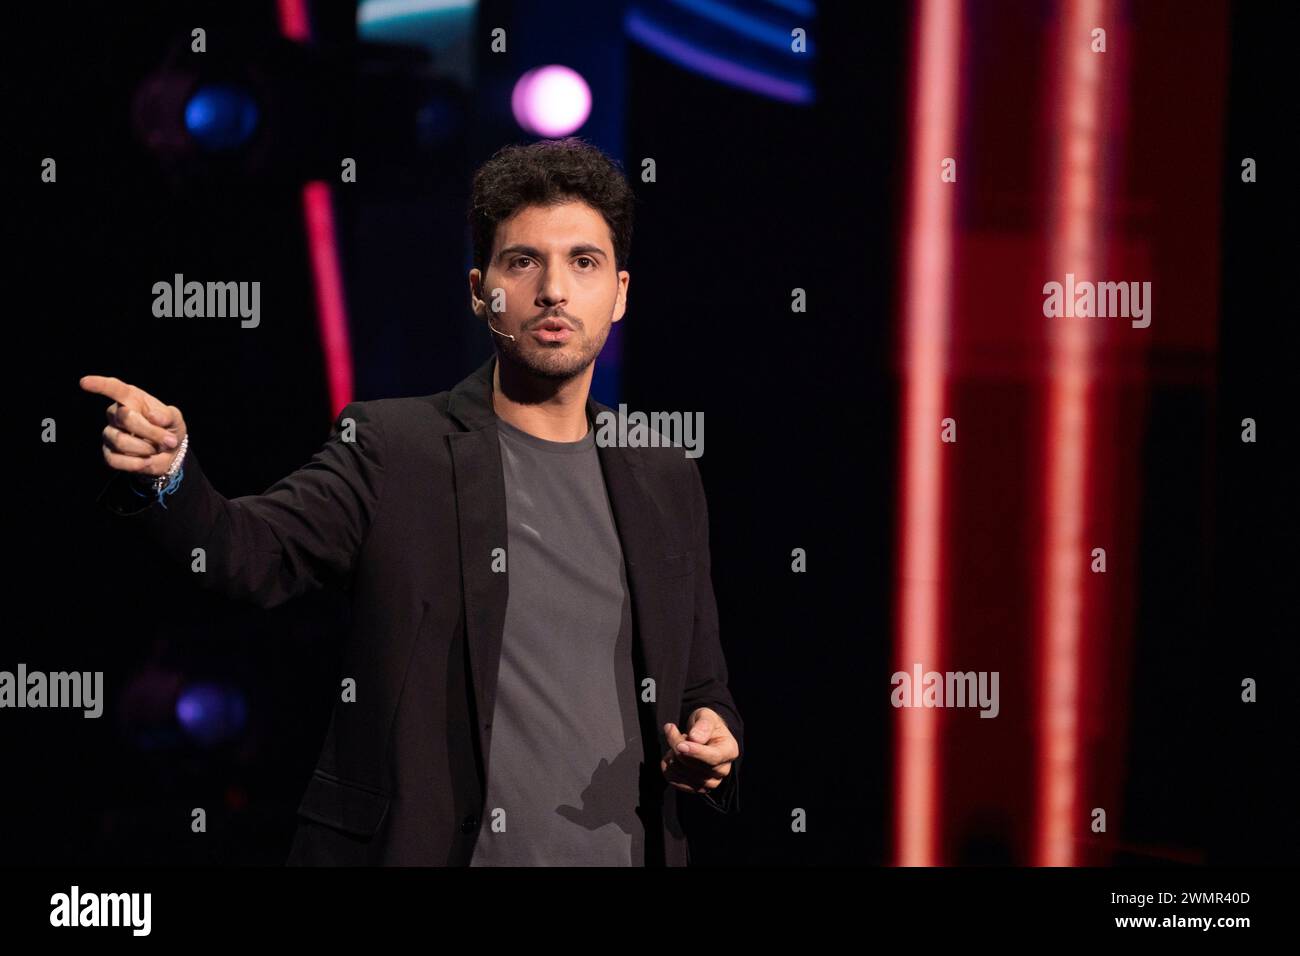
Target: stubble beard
552,362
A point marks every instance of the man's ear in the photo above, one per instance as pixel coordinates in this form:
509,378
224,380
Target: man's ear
620,302
476,302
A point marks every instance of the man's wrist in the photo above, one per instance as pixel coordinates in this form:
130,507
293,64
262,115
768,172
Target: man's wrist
151,486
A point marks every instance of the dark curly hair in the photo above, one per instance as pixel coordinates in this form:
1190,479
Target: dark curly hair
546,173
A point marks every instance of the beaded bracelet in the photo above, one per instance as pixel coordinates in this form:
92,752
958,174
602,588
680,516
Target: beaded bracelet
168,483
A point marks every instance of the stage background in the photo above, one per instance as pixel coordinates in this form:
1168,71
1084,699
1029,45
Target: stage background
755,196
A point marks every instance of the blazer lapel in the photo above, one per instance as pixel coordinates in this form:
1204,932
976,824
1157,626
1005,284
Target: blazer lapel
637,518
481,516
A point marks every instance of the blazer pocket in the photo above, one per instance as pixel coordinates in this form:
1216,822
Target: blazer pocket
681,564
351,807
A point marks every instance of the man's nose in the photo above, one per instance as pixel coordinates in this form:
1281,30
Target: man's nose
553,289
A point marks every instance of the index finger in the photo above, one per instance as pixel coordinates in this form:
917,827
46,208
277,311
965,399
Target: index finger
106,385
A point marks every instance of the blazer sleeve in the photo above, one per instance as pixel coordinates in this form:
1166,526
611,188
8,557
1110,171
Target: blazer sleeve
302,533
706,678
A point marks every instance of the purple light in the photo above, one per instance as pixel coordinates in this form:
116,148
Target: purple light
211,713
551,101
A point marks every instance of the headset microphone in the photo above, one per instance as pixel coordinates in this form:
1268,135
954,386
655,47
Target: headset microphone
495,329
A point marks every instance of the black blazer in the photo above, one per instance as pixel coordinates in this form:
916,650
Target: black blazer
406,515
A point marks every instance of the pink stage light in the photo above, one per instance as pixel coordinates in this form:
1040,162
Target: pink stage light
926,323
551,101
295,21
323,248
331,304
1075,230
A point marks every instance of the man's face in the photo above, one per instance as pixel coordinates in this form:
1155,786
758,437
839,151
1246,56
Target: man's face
551,263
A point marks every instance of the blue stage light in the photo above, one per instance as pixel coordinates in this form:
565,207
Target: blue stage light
221,117
748,44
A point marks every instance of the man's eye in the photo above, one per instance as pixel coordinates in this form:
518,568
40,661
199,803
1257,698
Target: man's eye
520,259
586,259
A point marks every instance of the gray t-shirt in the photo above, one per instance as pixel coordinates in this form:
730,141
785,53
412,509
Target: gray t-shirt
566,746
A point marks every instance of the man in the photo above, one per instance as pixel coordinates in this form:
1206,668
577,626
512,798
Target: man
534,614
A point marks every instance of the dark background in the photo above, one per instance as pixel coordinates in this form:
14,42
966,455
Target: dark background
754,197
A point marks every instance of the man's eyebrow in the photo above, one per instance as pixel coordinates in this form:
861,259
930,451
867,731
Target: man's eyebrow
582,249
